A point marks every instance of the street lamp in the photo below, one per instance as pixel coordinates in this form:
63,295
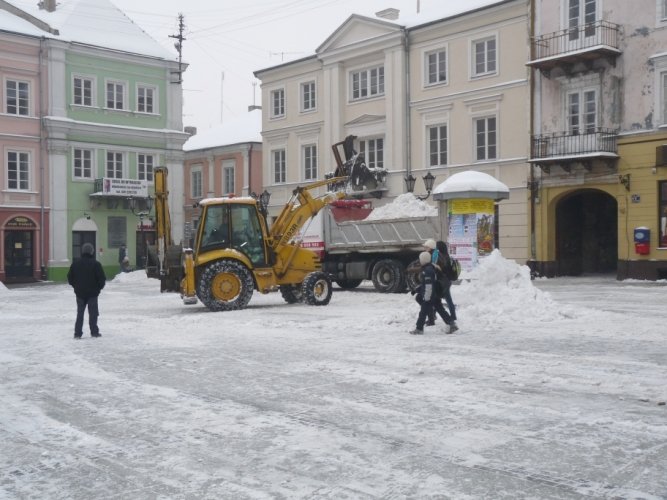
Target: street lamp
264,202
428,179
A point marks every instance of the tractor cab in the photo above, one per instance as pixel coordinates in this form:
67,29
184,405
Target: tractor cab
232,223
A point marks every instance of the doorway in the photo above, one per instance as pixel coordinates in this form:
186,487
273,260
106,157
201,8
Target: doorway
586,233
144,239
80,238
19,255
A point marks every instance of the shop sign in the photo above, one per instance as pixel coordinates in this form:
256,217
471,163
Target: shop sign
125,187
471,206
20,223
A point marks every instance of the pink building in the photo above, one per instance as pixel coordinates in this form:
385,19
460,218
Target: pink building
221,161
24,193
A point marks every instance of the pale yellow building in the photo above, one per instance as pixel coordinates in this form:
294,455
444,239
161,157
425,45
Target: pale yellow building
422,93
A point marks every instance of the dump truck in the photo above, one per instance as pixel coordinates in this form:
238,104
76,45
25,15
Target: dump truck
353,249
236,253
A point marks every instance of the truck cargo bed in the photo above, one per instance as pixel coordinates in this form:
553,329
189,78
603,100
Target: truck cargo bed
385,235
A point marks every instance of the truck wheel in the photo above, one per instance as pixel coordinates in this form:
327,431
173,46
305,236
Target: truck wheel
348,284
388,276
291,293
225,285
316,289
413,275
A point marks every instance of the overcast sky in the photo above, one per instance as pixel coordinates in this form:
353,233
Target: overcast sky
238,38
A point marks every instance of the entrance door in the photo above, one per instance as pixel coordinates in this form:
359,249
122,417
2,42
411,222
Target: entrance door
18,254
144,239
80,238
587,233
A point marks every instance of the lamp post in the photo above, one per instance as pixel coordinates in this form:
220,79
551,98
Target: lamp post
264,202
428,179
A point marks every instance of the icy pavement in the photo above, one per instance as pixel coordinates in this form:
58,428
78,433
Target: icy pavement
556,395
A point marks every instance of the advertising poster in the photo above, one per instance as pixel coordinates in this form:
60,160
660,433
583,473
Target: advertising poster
471,230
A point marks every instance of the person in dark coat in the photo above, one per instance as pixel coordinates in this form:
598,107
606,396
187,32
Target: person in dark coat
122,254
442,257
87,278
427,295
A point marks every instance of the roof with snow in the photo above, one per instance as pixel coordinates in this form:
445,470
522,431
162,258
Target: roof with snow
91,22
246,128
471,184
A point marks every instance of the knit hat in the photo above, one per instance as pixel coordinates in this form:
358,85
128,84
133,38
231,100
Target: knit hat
430,244
424,258
88,249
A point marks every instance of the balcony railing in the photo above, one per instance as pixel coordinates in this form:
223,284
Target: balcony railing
599,36
563,147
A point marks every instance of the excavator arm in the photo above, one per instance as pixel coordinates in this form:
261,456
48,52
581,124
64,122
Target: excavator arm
165,258
301,206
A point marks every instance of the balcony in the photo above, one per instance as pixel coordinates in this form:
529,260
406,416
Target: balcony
582,44
567,149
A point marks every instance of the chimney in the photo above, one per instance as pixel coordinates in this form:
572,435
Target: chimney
47,5
190,130
390,14
253,107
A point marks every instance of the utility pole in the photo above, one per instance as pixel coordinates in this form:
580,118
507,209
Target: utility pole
179,48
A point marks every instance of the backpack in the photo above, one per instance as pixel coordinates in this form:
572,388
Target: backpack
452,269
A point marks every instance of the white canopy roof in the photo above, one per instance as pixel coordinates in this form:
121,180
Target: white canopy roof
471,184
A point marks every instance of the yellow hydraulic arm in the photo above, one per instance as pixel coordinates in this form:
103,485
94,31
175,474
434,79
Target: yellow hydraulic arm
297,211
162,220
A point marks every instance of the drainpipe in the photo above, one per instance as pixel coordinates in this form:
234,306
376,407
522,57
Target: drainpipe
531,131
408,127
43,158
249,169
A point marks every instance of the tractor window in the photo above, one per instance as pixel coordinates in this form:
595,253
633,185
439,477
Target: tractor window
216,226
247,233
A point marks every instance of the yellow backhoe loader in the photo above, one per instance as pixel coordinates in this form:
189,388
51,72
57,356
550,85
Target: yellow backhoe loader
235,252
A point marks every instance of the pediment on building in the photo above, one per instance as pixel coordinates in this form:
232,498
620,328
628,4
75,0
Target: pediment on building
358,29
366,119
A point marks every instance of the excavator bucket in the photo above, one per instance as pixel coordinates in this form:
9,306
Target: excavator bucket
360,178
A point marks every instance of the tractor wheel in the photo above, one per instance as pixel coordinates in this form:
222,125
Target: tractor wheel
291,293
413,275
225,285
316,289
388,276
348,284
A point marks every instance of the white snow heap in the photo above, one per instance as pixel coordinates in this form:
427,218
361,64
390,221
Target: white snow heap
404,206
501,291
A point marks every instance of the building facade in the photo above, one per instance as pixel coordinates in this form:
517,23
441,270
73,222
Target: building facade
223,161
114,117
24,180
109,112
599,126
430,94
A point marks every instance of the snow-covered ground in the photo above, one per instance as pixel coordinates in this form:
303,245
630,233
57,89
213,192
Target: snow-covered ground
553,389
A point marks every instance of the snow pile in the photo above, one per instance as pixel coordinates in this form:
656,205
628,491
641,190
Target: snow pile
501,291
132,277
3,288
404,206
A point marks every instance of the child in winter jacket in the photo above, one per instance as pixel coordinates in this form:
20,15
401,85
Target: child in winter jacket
427,295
